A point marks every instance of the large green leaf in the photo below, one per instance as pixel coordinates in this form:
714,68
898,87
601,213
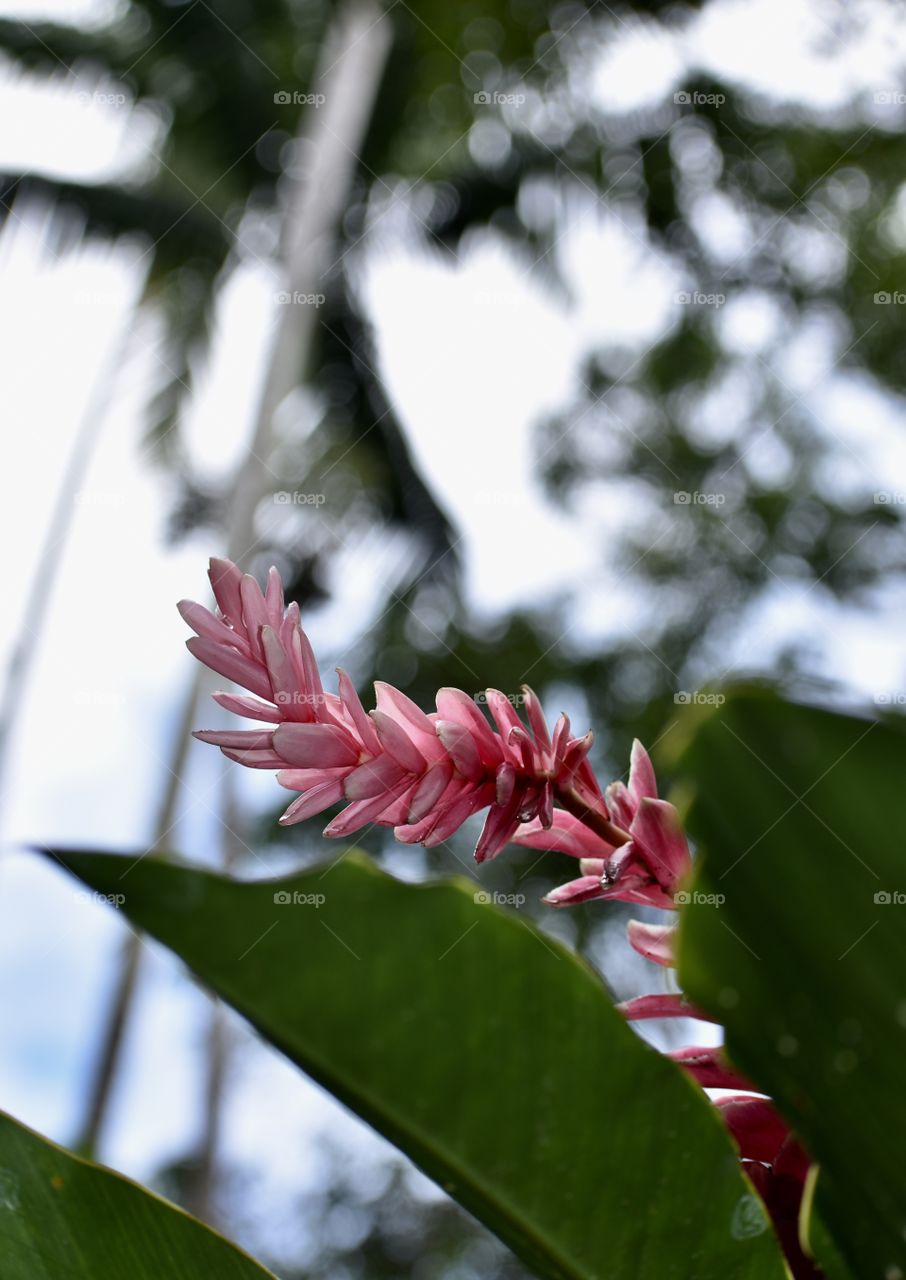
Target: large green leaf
62,1218
488,1053
801,815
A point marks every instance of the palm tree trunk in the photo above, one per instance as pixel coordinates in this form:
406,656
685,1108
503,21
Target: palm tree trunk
352,63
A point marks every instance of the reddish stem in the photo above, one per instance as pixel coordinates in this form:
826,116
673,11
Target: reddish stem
596,821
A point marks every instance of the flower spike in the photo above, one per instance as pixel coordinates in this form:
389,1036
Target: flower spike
423,774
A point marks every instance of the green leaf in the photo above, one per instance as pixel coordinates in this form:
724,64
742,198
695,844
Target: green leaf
801,817
62,1218
488,1053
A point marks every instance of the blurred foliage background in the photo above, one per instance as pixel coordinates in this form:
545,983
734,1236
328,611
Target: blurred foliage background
729,492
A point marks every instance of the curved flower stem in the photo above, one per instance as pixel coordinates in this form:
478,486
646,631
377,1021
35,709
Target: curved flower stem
594,819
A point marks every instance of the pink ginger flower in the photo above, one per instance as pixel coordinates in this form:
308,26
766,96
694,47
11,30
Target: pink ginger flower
423,775
644,861
645,858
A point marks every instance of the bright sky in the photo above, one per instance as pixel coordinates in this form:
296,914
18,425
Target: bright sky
475,351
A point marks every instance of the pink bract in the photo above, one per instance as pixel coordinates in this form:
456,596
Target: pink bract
422,774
